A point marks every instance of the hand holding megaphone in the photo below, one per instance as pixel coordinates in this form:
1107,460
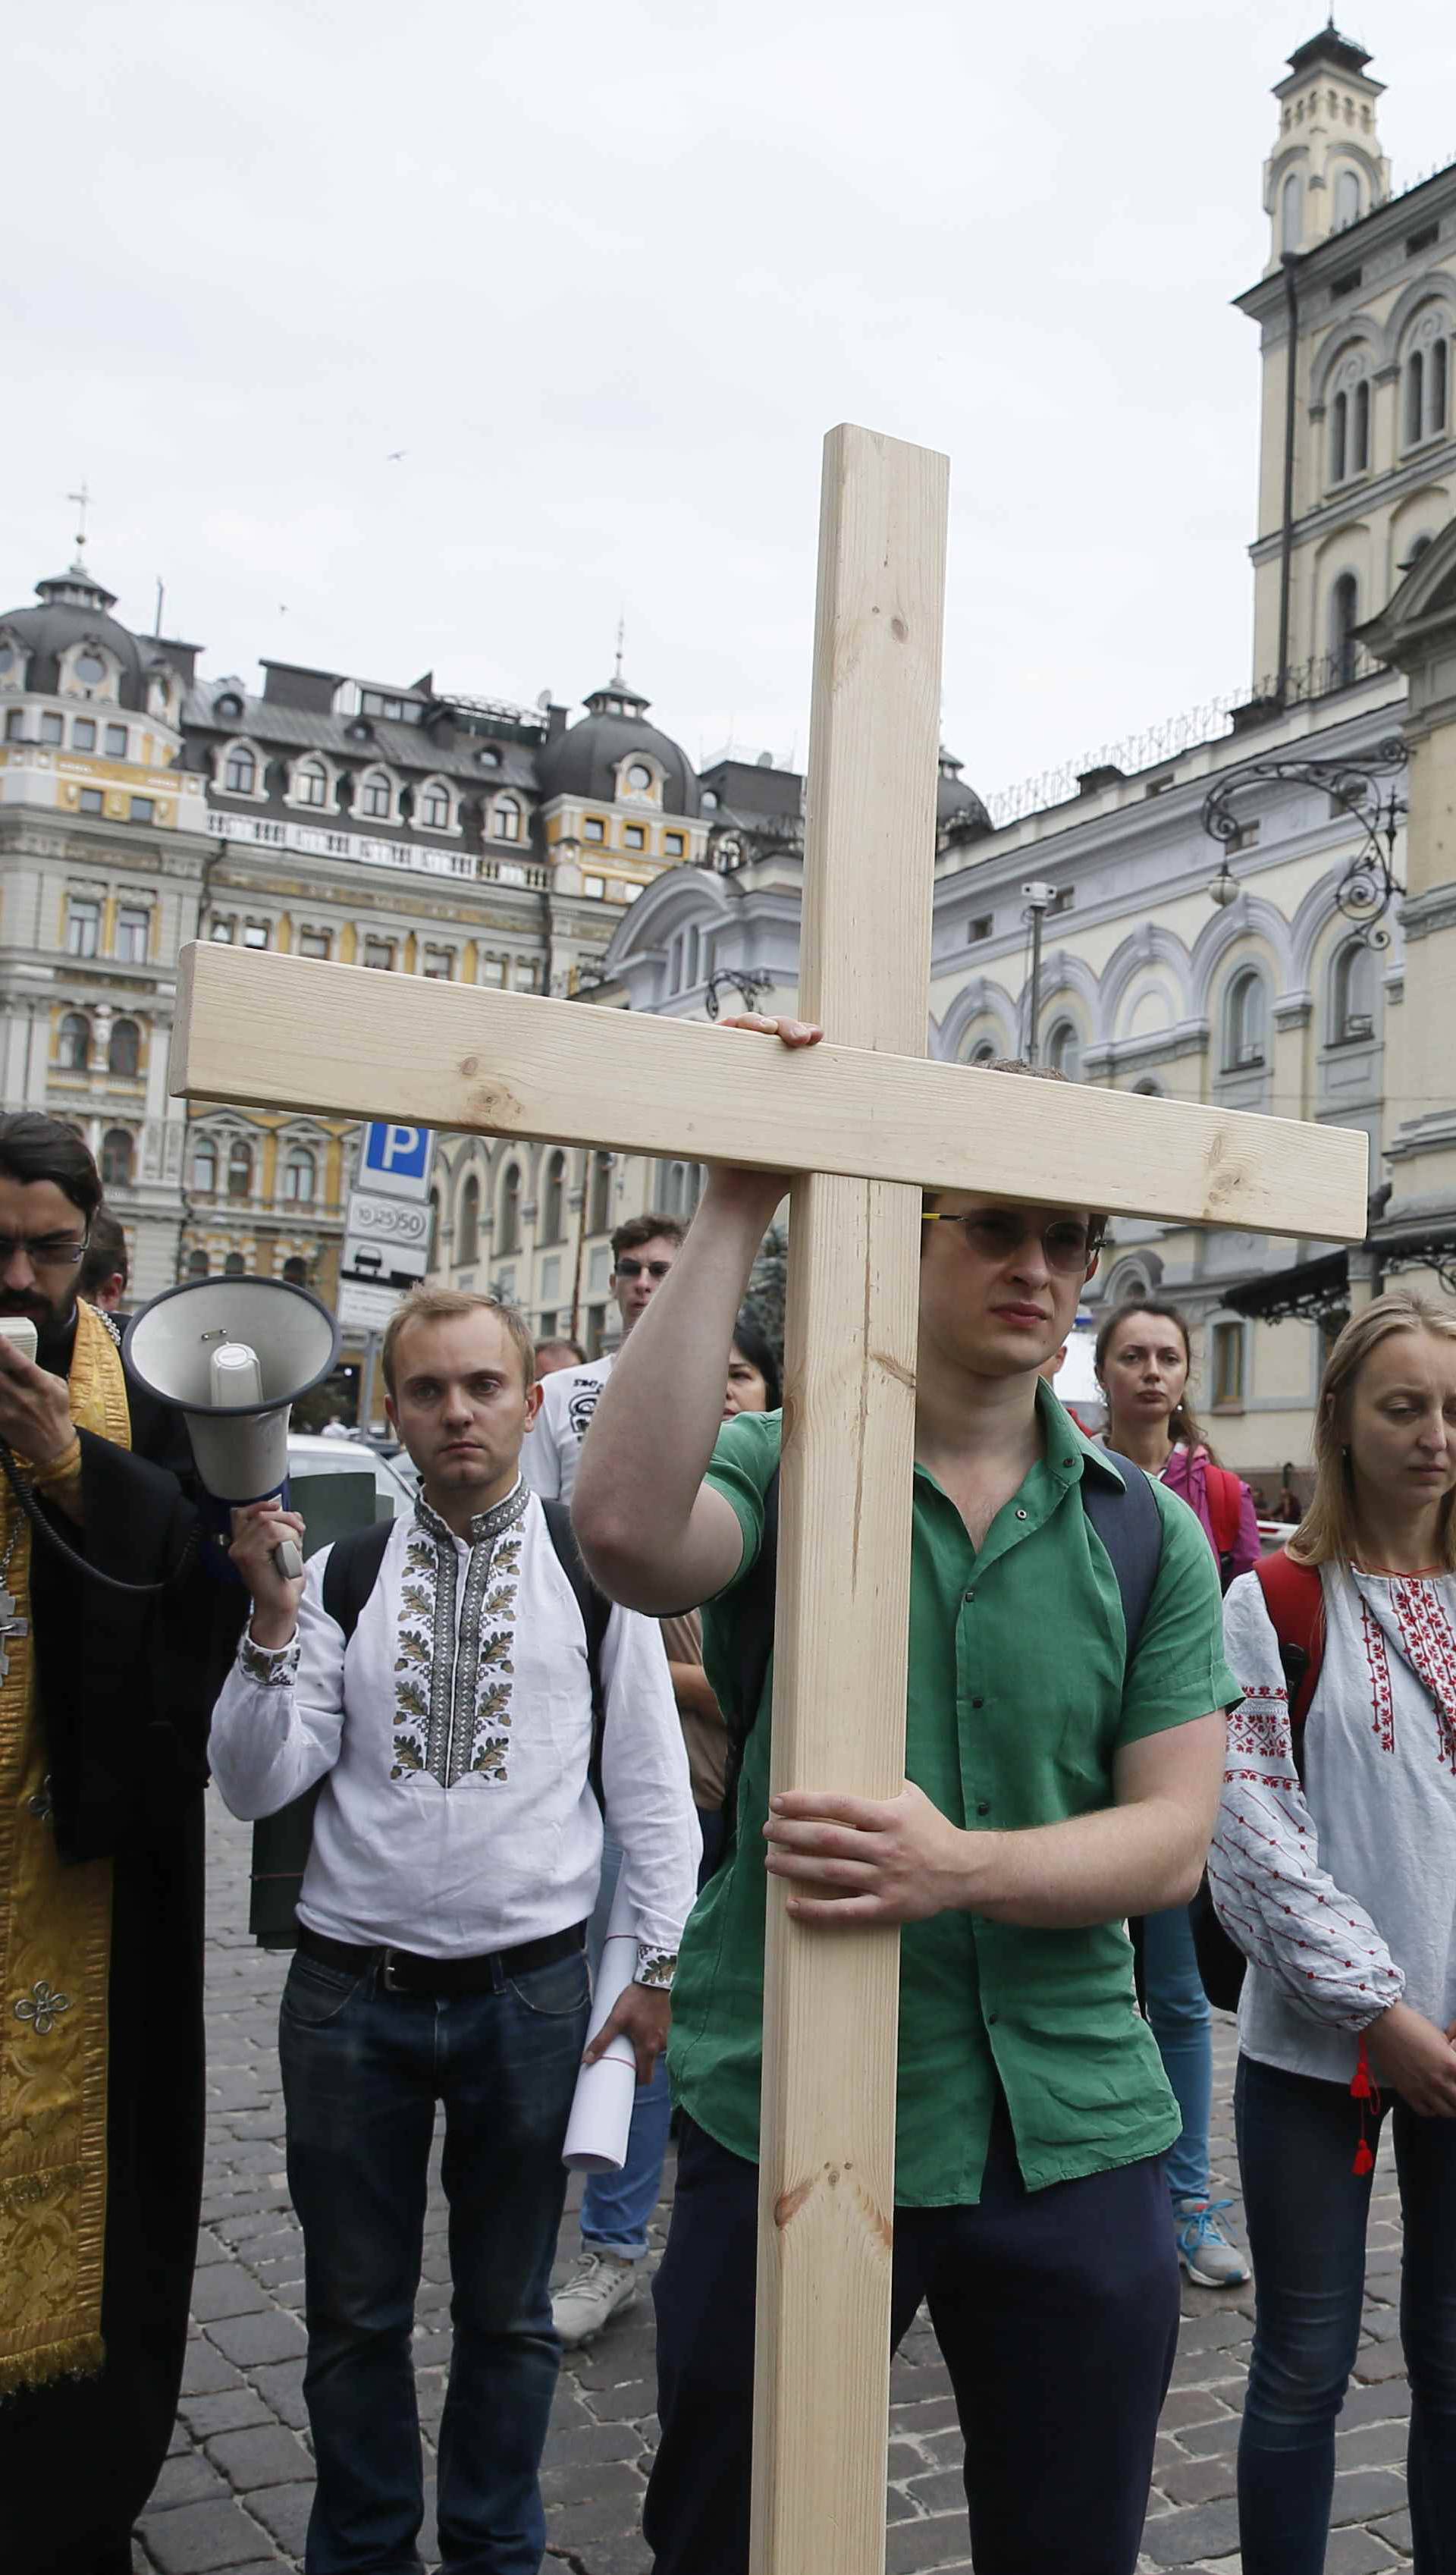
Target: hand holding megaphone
269,1563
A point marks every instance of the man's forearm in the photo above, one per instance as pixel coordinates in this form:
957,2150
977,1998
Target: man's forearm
653,1432
1138,1859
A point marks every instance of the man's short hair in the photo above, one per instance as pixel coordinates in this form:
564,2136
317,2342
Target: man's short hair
106,1254
443,1304
646,1229
33,1147
1096,1219
561,1342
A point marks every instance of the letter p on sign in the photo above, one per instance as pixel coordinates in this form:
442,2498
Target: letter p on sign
395,1159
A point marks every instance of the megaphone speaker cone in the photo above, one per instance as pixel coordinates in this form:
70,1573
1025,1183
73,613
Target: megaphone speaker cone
233,1355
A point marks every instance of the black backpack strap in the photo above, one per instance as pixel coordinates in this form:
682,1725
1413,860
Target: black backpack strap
1130,1527
595,1609
754,1604
352,1572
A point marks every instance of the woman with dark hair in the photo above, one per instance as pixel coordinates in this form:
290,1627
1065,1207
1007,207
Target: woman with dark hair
1333,1868
1143,1360
752,1378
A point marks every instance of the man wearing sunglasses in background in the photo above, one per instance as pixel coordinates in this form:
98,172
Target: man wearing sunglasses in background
643,1252
103,1701
1055,1784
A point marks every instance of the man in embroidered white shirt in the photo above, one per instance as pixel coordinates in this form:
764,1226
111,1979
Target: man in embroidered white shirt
456,1853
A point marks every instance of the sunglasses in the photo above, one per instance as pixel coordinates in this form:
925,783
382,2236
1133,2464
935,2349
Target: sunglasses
627,1267
1068,1247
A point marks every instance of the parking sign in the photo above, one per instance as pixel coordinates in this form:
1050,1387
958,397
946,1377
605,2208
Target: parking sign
395,1160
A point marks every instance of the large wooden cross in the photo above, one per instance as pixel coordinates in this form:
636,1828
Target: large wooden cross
862,1125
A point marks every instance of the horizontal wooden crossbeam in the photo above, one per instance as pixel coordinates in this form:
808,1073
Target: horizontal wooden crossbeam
505,1063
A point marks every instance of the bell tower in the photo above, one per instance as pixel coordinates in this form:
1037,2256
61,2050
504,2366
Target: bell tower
1327,169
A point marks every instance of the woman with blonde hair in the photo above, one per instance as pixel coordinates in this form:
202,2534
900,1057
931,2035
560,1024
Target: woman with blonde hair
1334,1870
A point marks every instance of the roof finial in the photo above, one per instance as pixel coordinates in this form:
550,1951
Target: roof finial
81,499
621,645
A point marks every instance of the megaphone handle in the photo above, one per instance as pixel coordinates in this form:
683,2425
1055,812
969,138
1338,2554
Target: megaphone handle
288,1559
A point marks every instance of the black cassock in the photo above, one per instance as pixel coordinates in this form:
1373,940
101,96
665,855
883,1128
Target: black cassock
124,1690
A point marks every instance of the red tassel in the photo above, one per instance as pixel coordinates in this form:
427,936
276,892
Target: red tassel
1364,2087
1360,2083
1364,2160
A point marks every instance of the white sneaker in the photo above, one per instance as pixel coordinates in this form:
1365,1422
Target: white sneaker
1211,2260
600,2286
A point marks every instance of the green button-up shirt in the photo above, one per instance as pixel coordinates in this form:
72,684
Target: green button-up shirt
1019,1696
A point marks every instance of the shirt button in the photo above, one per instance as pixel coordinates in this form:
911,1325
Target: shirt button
978,1702
1020,1515
968,1596
992,2020
985,1807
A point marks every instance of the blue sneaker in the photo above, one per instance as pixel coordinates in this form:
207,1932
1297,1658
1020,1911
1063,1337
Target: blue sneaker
1207,2255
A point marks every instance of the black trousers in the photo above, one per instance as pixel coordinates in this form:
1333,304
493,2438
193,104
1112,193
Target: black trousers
1056,2312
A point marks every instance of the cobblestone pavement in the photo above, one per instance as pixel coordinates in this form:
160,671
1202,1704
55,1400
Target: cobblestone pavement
235,2492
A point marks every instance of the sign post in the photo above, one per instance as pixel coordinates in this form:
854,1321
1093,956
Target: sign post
386,1234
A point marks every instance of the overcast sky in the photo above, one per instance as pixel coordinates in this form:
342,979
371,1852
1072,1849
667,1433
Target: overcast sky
605,273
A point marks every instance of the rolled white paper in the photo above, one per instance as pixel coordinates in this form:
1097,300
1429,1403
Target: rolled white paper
601,2105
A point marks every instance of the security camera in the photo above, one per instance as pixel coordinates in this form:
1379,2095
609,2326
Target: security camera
1039,894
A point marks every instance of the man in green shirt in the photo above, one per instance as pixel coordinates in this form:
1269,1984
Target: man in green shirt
1054,1786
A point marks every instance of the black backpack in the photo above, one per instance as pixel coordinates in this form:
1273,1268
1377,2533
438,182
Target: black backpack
1129,1523
353,1570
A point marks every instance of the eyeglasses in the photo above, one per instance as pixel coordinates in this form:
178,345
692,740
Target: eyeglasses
627,1267
51,1251
998,1234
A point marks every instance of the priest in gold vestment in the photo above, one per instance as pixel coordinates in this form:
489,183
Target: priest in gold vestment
104,1704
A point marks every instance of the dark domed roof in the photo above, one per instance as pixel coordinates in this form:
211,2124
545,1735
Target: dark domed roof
585,759
956,803
75,604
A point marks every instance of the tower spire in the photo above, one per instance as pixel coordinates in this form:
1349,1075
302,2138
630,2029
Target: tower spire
621,645
82,500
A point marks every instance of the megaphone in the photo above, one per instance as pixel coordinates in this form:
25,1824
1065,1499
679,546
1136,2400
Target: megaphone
231,1355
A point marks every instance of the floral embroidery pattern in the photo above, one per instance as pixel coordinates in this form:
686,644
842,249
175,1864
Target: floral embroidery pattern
1430,1649
273,1666
655,1967
1377,1664
42,2006
1259,1727
454,1663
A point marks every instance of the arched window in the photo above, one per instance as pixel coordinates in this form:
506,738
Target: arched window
1339,437
598,1212
1360,429
1147,1090
1245,1022
298,1176
508,1233
124,1049
234,1265
553,1201
376,795
1438,388
295,1271
1344,618
467,1224
983,1052
1415,396
240,776
507,824
678,1187
204,1167
116,1158
239,1169
75,1043
198,1264
311,783
432,1255
1348,199
1291,212
1065,1050
1353,993
435,807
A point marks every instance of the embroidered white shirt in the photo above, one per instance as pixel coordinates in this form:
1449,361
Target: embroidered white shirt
553,1449
1340,1888
454,1736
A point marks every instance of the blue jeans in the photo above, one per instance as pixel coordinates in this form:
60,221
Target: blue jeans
616,2206
1307,2213
362,2071
1180,2021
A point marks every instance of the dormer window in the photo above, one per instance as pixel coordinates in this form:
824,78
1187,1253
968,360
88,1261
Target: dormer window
506,823
376,795
230,708
240,771
12,664
89,668
434,806
310,785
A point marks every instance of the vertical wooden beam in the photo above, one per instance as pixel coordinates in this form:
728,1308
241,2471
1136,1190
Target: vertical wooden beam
827,2174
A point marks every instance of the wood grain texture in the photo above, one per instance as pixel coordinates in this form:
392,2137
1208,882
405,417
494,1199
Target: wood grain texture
832,2000
262,1030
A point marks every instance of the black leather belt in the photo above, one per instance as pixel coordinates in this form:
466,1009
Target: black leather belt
403,1971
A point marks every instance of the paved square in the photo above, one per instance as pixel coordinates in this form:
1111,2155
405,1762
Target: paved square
234,2495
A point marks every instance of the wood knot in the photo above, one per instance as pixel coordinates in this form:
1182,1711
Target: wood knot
898,629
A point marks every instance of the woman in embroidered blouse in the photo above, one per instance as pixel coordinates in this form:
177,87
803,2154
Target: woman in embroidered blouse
1334,1870
1143,1360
